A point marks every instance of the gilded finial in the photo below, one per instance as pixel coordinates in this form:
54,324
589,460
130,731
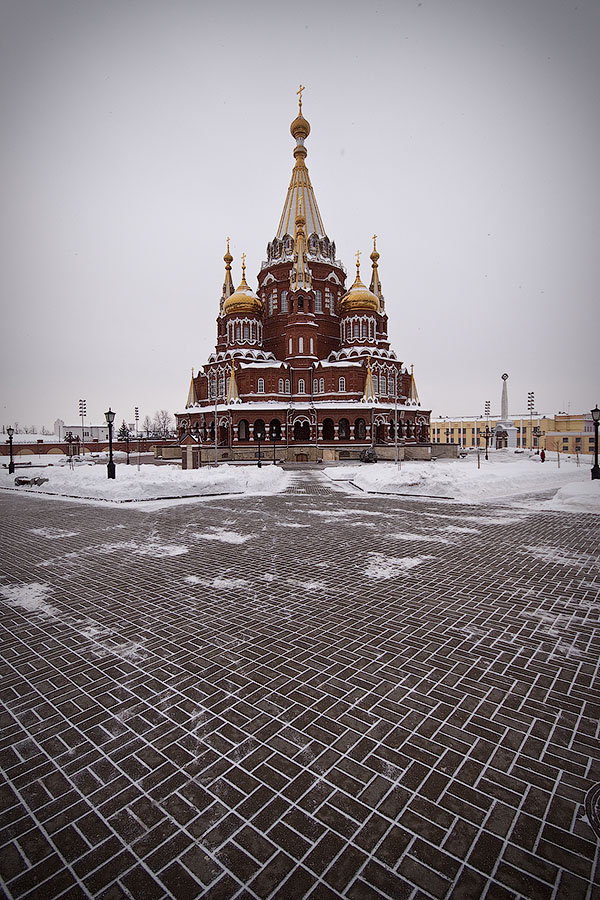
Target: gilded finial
358,252
374,244
228,257
299,93
243,266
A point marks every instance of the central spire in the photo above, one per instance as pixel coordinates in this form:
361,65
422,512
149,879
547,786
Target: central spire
300,195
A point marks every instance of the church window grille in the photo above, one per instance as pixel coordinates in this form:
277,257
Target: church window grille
301,386
243,430
284,301
280,386
375,385
238,331
300,345
312,346
287,386
290,346
321,385
246,331
356,331
342,383
271,303
261,386
372,329
221,386
318,302
315,386
364,329
391,391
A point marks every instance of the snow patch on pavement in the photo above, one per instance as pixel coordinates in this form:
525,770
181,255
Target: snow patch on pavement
223,535
408,536
31,597
381,566
153,549
560,557
53,533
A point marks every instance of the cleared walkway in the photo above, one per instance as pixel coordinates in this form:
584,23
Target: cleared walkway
316,694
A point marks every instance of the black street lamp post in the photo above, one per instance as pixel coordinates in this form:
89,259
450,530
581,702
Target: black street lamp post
274,439
11,465
259,434
487,434
127,444
595,420
110,418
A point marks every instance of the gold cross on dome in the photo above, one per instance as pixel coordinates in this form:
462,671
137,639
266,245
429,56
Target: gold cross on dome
374,239
358,259
243,264
299,93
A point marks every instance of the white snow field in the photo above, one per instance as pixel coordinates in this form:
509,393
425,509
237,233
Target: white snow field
506,475
149,482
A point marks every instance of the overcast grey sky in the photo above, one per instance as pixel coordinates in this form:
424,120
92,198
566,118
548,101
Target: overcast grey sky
137,135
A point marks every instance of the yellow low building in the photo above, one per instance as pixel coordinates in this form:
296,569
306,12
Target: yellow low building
563,432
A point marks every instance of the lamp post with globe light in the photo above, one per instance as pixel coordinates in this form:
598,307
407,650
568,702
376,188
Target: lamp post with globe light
11,465
595,421
110,418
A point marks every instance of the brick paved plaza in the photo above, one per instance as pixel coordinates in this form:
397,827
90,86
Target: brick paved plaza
315,694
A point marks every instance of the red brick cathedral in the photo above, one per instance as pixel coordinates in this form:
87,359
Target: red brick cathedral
302,363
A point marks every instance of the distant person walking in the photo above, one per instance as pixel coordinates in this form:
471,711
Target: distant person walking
543,455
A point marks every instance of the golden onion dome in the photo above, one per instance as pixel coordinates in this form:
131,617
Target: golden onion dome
359,297
300,127
243,300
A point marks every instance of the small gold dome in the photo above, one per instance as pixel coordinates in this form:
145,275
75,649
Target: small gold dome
300,127
243,300
359,297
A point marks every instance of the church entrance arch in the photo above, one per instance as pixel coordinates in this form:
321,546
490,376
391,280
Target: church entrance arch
302,430
274,430
328,430
344,430
360,430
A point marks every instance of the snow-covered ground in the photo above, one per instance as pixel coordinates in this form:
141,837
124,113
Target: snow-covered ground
505,475
149,482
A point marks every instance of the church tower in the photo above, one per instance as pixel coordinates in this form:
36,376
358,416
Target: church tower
301,360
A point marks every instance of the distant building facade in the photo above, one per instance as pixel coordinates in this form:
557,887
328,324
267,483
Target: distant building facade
88,433
563,432
302,363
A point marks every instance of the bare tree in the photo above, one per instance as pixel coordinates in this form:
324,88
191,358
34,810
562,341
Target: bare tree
163,422
147,425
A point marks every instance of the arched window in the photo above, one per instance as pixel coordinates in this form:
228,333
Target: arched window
342,384
300,302
301,386
328,430
238,331
312,346
356,331
318,302
246,332
360,430
390,386
344,429
261,386
287,386
290,347
280,386
321,385
243,430
364,329
375,385
315,386
221,385
259,429
271,302
300,342
284,301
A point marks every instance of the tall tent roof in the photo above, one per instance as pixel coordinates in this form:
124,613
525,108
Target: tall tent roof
300,197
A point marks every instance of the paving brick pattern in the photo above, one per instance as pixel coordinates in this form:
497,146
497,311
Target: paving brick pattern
317,694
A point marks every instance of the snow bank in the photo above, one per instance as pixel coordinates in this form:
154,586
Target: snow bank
151,482
579,497
505,475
